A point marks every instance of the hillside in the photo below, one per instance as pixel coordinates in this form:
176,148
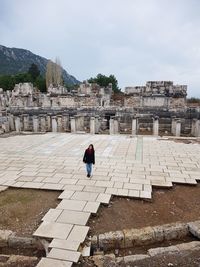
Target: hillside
16,60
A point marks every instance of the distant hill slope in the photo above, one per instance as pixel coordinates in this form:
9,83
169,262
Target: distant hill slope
16,60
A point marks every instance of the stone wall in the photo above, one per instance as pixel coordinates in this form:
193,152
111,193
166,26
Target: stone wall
157,94
92,108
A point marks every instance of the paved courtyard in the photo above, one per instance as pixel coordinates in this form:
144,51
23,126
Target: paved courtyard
124,166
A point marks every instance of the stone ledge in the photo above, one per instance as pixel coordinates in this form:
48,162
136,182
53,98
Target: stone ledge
136,237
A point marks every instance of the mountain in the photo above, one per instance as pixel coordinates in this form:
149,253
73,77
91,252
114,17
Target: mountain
16,60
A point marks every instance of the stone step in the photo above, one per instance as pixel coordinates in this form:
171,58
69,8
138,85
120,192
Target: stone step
47,262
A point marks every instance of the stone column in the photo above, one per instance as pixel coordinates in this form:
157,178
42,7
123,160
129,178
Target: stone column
26,122
155,126
97,124
5,126
73,124
17,124
65,120
59,122
178,128
198,129
54,124
22,122
11,122
195,127
35,124
79,123
173,126
92,125
111,126
116,125
49,122
43,123
134,126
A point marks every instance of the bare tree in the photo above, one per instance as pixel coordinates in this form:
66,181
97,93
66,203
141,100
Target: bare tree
54,73
58,72
49,73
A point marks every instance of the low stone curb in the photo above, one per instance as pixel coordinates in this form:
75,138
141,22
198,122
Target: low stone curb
99,259
128,238
18,260
10,240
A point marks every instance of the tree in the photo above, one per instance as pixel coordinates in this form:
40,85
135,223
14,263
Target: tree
40,83
7,82
54,73
58,72
49,73
104,81
34,71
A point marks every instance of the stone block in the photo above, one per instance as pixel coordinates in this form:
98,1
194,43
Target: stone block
174,231
158,233
94,242
21,242
4,237
134,258
189,246
162,250
137,237
194,228
111,240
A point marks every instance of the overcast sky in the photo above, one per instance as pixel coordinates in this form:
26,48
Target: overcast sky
136,40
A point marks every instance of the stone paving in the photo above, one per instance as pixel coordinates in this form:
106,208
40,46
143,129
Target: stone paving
125,166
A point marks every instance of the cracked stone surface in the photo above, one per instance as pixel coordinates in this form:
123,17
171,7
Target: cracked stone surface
124,166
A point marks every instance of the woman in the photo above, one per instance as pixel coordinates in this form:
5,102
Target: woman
89,159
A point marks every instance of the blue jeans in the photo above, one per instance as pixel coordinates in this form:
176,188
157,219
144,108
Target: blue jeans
89,168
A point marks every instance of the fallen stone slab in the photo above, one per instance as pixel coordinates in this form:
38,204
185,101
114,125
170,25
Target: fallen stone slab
194,228
4,236
133,258
175,249
161,250
189,246
100,259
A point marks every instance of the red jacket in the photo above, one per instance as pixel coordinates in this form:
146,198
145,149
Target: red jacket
89,156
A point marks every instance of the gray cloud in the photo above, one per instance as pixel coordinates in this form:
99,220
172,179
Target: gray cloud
136,40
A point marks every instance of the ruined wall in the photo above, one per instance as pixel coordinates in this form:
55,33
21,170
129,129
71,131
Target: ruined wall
157,94
132,101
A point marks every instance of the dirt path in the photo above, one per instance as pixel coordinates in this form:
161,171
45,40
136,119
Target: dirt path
180,203
21,210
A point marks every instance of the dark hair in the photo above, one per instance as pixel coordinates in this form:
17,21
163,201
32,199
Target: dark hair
91,146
